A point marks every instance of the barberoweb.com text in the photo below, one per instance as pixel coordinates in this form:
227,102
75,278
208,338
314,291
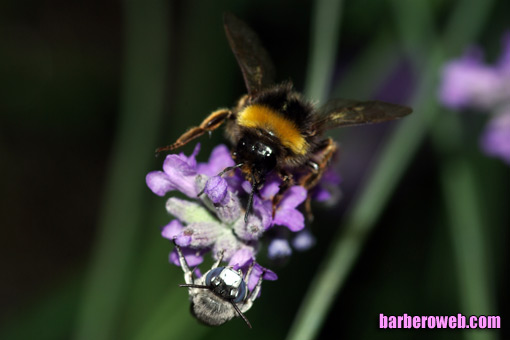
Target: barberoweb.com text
458,321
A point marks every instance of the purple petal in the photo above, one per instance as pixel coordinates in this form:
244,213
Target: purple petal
291,218
293,197
279,248
242,257
495,140
183,240
193,257
216,190
246,186
271,187
257,272
172,230
220,159
304,240
180,164
181,174
159,183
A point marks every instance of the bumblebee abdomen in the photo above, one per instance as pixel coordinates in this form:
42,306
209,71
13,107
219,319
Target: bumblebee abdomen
274,123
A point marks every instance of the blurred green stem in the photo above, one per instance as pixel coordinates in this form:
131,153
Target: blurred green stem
392,162
465,222
142,97
326,28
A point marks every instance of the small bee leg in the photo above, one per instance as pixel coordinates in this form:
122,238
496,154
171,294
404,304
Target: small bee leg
218,261
209,124
248,273
255,292
287,182
188,274
253,295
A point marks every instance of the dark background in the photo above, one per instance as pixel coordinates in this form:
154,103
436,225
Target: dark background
83,105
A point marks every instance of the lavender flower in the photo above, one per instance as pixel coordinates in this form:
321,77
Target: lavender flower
470,83
214,220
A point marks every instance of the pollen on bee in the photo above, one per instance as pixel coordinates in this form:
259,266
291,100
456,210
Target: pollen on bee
262,117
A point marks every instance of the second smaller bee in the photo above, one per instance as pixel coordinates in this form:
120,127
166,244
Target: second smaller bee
220,294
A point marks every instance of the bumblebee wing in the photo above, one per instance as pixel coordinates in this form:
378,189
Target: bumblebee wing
256,65
345,112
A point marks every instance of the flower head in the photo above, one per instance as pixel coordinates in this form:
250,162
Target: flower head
212,219
468,82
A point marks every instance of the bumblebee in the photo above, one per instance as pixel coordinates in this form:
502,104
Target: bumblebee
272,128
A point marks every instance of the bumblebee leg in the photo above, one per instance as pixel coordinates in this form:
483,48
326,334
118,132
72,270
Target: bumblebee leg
317,168
209,124
287,182
323,154
188,274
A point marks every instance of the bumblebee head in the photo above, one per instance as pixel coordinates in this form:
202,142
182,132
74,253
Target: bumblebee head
257,156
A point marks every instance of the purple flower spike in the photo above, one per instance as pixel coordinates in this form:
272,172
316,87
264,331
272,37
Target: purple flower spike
496,137
468,82
215,222
287,214
216,190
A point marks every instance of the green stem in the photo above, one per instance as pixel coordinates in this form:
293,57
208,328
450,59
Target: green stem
142,98
465,223
392,162
326,28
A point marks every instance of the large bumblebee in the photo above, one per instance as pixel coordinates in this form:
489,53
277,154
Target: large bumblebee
272,128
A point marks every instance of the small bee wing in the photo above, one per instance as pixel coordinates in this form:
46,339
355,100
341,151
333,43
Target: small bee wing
346,112
256,65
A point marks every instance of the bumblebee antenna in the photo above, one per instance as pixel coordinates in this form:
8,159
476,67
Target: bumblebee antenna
240,313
